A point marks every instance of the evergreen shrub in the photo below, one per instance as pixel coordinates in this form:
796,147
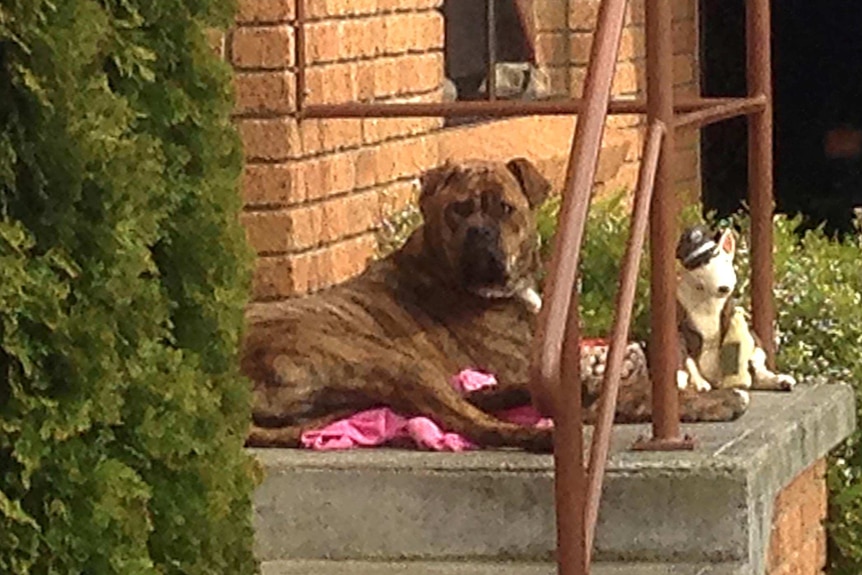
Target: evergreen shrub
123,276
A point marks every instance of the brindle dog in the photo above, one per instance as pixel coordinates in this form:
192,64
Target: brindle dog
449,299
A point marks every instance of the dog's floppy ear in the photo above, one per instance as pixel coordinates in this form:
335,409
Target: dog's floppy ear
727,242
536,187
432,181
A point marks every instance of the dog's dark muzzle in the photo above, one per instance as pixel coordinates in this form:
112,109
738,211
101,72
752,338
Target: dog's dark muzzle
483,262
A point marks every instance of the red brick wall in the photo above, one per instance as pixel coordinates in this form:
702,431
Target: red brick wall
630,81
797,544
551,33
315,190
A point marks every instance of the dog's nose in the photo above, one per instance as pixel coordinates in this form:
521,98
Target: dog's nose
482,259
723,290
479,233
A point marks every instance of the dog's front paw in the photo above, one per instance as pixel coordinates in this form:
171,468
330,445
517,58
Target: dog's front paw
532,300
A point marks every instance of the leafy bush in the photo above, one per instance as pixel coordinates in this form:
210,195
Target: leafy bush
396,227
818,290
601,256
123,275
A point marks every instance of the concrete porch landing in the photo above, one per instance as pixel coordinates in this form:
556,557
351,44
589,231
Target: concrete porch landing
706,512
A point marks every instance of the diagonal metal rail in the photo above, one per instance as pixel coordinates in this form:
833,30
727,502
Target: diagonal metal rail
555,380
620,332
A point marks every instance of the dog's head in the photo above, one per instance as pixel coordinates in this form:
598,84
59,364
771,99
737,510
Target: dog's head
707,261
480,224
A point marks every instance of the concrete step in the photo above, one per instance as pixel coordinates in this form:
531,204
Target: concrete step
484,568
707,506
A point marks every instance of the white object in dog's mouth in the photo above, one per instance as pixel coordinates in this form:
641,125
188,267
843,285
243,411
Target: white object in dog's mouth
528,295
494,292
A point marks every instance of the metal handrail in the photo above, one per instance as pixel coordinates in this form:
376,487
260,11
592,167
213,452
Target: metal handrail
620,332
506,108
555,380
720,112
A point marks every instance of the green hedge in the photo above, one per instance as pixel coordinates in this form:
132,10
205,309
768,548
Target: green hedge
818,293
123,275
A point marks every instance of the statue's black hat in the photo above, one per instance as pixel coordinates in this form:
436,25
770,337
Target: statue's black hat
697,245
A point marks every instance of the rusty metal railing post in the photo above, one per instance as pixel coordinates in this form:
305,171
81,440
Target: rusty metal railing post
760,194
663,335
580,173
570,481
620,331
301,63
555,372
491,30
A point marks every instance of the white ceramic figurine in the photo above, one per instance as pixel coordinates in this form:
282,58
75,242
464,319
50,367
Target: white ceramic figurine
717,347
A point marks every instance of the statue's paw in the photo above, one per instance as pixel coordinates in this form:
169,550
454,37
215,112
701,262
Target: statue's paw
701,384
681,380
768,381
785,382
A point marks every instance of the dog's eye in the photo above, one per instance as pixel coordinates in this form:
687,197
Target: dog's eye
463,209
507,208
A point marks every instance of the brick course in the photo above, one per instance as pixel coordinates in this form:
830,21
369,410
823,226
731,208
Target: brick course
315,190
269,47
797,544
264,11
265,93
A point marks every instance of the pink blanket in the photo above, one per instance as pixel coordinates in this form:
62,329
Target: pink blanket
383,426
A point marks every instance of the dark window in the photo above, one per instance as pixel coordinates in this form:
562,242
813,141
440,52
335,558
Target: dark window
471,54
817,71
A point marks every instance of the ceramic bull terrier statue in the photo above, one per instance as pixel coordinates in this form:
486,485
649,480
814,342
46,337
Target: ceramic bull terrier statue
717,347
